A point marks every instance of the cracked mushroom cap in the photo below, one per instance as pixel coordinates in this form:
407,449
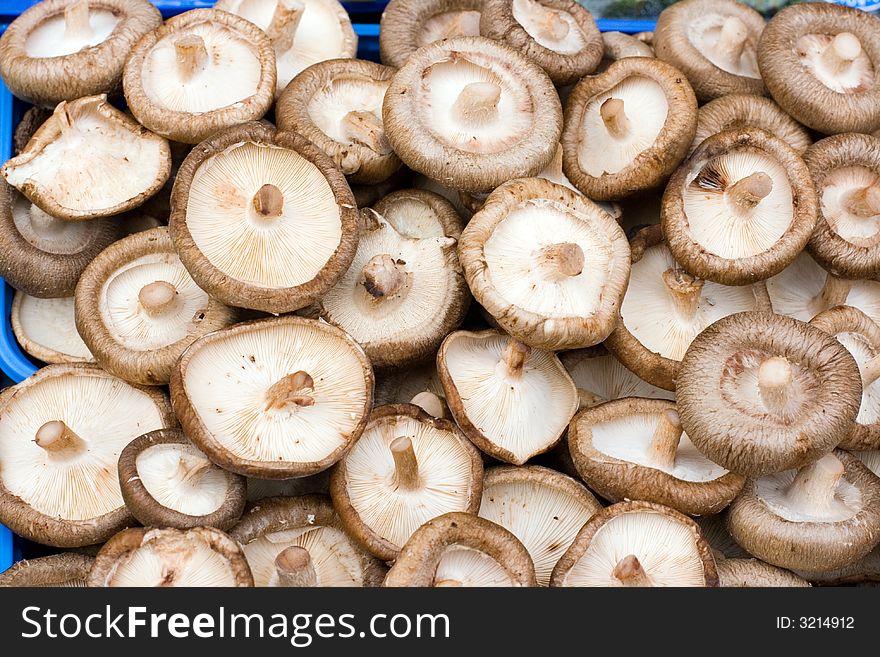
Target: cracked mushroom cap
46,329
846,174
300,541
472,113
89,160
821,517
547,263
637,544
543,508
760,393
273,398
740,209
420,213
61,433
58,570
201,71
146,557
406,468
66,49
665,308
635,449
560,36
819,61
627,128
511,401
262,219
462,550
714,43
754,573
168,482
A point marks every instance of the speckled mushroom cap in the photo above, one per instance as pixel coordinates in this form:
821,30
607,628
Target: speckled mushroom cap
308,522
66,49
420,213
820,63
628,128
637,544
740,209
759,393
754,573
665,308
846,174
262,219
634,449
459,549
821,517
57,570
472,113
337,105
560,36
46,329
169,70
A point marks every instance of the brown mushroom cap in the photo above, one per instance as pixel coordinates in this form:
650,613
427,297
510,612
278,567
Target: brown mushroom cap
30,122
628,128
65,49
740,209
754,573
760,393
618,45
420,213
46,329
820,63
57,570
860,571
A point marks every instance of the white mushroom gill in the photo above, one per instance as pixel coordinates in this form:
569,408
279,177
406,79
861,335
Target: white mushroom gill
348,109
78,27
837,61
49,323
554,173
49,233
181,478
151,565
866,357
851,204
448,24
464,566
552,28
603,378
871,459
412,217
726,42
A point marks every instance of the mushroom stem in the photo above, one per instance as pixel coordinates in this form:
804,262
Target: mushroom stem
664,443
588,399
871,371
732,40
774,384
59,440
864,202
841,52
514,357
551,26
192,56
366,129
293,390
567,258
76,21
406,467
157,298
383,276
629,572
834,293
268,202
189,470
747,192
293,568
432,404
447,583
477,103
814,486
285,22
614,117
685,291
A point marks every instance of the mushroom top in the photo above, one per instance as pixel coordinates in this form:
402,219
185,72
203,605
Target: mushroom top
57,570
89,160
618,45
46,329
749,573
420,213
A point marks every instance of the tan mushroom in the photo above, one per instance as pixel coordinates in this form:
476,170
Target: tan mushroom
46,329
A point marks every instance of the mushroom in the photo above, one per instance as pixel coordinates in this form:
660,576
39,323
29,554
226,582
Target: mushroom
714,530
627,128
543,508
759,393
419,385
405,469
740,209
871,459
262,219
511,401
714,43
202,556
637,544
300,541
30,122
89,160
472,113
818,61
846,173
665,308
65,49
260,489
822,516
618,45
635,449
560,36
860,571
201,71
57,570
547,263
459,549
454,197
420,213
61,432
167,482
46,330
754,573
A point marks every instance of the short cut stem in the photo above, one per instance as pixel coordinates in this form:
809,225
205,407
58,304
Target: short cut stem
685,290
158,298
59,440
664,443
567,258
268,202
614,117
477,104
841,52
294,568
775,377
629,572
514,357
814,487
732,40
190,470
746,193
551,24
406,467
383,276
192,55
294,390
285,22
365,128
432,404
864,202
76,21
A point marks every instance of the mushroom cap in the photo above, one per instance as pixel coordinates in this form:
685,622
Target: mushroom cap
714,530
760,393
420,213
58,570
66,493
714,43
276,256
618,45
782,520
560,36
464,549
511,401
308,521
547,263
840,96
45,329
169,70
337,105
202,556
543,508
44,59
167,482
89,160
754,573
609,155
382,499
860,571
472,113
30,122
631,449
668,549
273,398
740,209
846,174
